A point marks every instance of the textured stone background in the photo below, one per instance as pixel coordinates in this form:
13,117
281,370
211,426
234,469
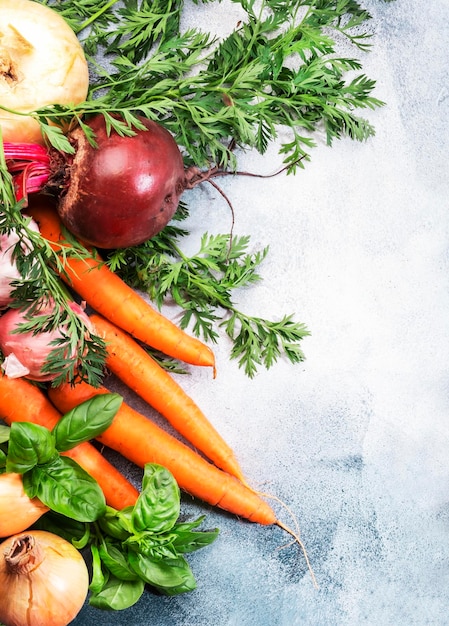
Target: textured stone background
355,439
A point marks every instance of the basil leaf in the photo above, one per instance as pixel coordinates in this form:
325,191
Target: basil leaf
118,594
30,486
158,505
3,456
116,562
86,421
188,585
187,540
75,532
66,488
4,433
160,573
112,523
29,445
99,578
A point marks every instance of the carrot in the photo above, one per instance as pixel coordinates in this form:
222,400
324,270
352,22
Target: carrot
21,401
105,292
140,372
141,441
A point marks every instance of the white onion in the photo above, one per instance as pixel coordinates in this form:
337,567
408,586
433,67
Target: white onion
41,63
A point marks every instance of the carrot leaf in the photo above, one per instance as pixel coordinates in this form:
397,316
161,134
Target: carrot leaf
204,286
277,76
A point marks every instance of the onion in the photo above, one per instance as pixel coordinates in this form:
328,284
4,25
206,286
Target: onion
8,268
17,511
27,352
43,580
41,63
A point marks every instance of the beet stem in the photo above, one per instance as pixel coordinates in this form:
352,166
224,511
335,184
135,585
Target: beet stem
29,163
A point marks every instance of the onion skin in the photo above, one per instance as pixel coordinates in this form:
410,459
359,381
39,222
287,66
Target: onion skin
125,191
17,511
41,63
28,349
43,578
8,268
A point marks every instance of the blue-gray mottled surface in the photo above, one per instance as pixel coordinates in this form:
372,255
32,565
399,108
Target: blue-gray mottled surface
355,439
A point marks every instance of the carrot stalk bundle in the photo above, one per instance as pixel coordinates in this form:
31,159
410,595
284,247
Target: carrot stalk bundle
141,441
105,292
21,401
140,372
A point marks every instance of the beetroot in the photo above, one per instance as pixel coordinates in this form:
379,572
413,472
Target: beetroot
124,191
117,194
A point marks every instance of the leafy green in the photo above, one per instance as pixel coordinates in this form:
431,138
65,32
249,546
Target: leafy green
202,286
66,488
86,421
242,88
140,545
279,73
58,481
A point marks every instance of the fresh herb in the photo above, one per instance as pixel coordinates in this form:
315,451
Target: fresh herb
56,480
140,545
280,69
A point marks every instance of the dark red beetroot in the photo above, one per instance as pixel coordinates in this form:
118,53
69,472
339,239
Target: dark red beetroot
115,195
123,192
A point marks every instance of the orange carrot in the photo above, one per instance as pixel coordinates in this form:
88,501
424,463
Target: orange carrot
141,441
105,292
21,401
140,372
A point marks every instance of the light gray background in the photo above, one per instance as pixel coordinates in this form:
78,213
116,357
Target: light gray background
356,438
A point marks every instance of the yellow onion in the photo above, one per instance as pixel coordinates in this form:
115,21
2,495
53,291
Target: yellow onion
41,63
43,580
17,511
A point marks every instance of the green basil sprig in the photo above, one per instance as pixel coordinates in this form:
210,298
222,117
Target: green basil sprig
58,481
140,545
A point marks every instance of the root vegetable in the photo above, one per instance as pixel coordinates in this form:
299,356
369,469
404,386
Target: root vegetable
141,441
13,498
106,292
43,578
140,372
41,63
124,191
115,195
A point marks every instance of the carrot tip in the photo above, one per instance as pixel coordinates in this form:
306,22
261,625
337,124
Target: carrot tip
294,534
299,541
